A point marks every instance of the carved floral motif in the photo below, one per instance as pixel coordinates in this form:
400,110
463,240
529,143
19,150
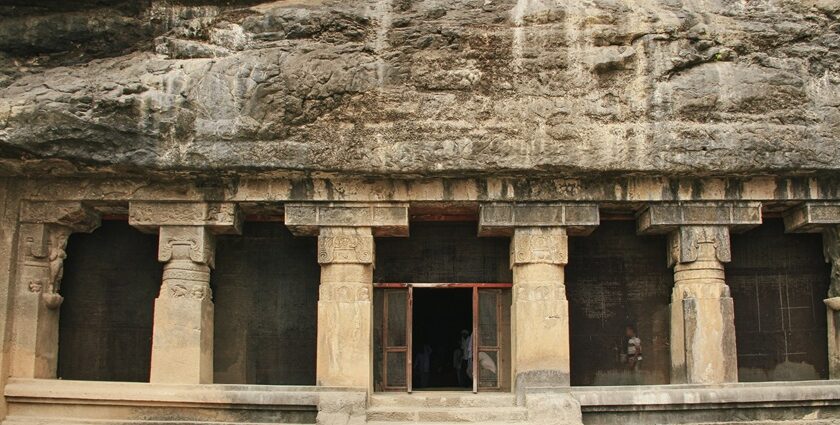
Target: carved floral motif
551,248
345,249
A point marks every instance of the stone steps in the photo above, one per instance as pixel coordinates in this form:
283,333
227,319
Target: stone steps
443,399
448,414
445,408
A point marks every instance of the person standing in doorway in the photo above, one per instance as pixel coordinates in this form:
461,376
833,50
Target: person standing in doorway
633,348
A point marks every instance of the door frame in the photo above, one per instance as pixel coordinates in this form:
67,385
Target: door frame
410,319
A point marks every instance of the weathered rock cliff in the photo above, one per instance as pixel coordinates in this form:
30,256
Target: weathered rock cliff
421,87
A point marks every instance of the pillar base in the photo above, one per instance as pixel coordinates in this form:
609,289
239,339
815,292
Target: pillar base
182,348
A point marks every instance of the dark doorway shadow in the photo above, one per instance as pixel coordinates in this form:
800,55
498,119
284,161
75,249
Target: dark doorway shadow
440,318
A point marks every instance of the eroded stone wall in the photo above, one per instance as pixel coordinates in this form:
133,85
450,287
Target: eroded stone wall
420,87
778,282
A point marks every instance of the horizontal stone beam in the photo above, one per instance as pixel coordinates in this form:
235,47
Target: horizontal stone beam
812,217
384,219
218,217
663,218
500,219
73,214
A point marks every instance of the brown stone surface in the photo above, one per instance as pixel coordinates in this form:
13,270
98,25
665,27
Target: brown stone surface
421,87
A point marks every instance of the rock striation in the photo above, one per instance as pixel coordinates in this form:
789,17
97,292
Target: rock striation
411,88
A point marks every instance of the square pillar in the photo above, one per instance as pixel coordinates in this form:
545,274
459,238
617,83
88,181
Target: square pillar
44,230
702,340
345,310
346,253
182,338
824,217
540,310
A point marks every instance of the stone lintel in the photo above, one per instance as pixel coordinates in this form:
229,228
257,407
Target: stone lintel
74,215
218,217
662,218
384,219
812,217
500,219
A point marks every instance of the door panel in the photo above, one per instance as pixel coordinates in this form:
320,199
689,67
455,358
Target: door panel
493,361
394,363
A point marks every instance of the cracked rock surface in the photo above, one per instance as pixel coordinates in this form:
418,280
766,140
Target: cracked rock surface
420,87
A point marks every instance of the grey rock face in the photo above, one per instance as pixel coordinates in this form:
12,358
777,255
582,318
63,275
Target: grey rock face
422,87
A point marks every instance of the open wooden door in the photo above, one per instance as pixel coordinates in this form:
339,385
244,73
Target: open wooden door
393,362
491,313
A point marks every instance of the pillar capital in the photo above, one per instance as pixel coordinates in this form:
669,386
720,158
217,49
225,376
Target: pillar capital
698,230
530,245
501,218
217,217
383,218
348,245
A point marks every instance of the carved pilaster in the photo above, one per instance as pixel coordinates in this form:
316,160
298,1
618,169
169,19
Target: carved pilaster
831,250
45,228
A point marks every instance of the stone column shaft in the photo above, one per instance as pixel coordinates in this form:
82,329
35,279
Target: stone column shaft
345,310
540,311
44,231
702,313
182,339
346,254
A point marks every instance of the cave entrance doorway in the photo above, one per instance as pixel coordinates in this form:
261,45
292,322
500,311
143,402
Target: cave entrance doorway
423,330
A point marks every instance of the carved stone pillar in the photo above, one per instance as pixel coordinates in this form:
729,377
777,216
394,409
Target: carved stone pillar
182,338
44,230
346,254
703,349
824,217
540,311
